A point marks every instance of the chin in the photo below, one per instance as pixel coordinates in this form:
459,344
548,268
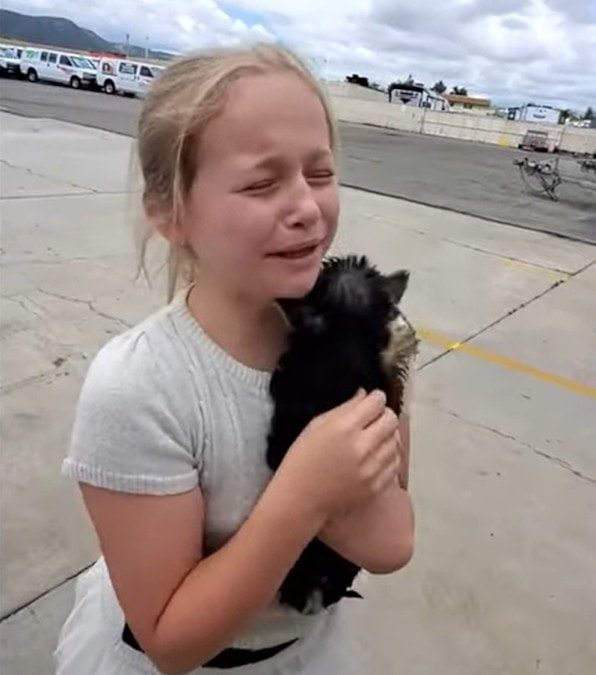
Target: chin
299,286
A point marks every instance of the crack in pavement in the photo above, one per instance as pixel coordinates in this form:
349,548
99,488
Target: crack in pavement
11,386
480,249
58,261
69,195
511,312
22,305
511,258
31,172
564,464
29,604
89,304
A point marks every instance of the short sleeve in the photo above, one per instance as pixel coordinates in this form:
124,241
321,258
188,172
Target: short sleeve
134,428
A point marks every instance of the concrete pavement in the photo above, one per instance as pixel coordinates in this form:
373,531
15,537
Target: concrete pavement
504,463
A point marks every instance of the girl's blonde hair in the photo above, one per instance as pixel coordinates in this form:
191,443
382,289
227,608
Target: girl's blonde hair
185,97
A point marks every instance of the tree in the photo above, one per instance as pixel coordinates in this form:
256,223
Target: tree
589,114
459,91
439,87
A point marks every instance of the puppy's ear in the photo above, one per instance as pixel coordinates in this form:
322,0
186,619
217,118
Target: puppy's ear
396,284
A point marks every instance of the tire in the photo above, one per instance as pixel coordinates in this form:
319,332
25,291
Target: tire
75,82
32,75
109,87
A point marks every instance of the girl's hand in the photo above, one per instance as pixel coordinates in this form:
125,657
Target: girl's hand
345,456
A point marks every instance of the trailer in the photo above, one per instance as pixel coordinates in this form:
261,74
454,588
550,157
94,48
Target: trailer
535,113
416,95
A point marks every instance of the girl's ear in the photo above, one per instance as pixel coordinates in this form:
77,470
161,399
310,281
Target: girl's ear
162,222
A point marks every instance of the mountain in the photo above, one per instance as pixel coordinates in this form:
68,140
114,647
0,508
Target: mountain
59,32
50,30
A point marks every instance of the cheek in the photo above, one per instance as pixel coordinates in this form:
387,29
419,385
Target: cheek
223,225
329,205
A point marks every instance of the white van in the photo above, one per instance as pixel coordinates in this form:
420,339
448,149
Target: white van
75,70
126,76
10,60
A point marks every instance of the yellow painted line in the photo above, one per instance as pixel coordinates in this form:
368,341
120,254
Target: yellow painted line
506,362
535,270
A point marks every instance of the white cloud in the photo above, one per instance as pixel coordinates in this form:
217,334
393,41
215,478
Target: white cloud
513,50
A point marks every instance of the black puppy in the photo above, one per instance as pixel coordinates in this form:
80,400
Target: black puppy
347,333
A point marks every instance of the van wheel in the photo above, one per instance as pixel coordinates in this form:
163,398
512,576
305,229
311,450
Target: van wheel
109,87
75,82
32,75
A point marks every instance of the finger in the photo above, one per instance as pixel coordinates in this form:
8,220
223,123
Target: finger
382,430
370,408
344,408
352,402
388,474
386,458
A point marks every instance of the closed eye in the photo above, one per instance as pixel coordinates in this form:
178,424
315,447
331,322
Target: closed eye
260,185
321,175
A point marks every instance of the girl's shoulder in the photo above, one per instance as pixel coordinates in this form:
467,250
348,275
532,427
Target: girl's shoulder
152,354
138,423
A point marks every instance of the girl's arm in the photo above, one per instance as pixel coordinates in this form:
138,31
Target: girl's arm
184,608
181,609
379,535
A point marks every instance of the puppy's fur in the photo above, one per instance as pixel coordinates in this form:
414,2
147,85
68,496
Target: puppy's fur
347,333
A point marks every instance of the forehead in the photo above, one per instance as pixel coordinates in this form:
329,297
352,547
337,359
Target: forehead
265,115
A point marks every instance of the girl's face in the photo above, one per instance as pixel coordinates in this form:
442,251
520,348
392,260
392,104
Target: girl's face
263,209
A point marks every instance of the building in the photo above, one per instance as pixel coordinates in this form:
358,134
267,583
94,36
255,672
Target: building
416,95
535,113
469,104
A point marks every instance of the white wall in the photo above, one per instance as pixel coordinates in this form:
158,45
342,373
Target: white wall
476,110
380,114
350,90
483,129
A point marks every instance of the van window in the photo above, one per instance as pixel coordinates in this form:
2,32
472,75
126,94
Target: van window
128,68
65,61
53,57
146,72
44,56
82,62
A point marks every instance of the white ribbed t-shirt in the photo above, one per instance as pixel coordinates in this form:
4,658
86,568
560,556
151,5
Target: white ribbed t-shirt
163,409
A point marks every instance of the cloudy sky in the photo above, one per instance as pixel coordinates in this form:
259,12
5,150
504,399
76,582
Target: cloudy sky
514,51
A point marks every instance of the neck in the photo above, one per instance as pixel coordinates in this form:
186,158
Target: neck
253,333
